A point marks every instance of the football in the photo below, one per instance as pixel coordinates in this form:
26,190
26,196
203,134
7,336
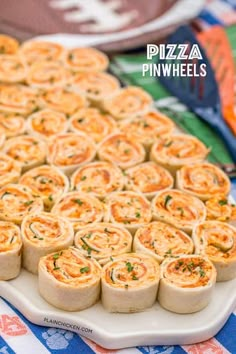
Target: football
109,24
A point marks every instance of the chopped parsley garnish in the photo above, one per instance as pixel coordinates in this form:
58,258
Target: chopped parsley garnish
202,272
168,143
71,56
83,178
111,275
12,239
43,181
167,199
29,202
138,215
134,277
86,247
36,109
84,270
190,266
106,230
5,193
78,201
222,202
129,267
56,256
145,125
181,211
50,198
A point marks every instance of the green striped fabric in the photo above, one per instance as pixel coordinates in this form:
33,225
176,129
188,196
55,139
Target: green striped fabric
129,69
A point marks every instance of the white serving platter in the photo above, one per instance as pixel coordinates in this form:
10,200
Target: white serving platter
154,326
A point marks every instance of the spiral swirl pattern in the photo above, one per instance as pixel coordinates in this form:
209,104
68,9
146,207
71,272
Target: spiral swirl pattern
103,241
128,102
121,150
17,99
179,209
80,208
92,122
203,180
162,240
99,178
9,236
86,60
32,51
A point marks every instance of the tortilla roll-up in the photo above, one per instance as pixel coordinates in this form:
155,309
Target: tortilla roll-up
130,283
177,151
128,102
232,220
186,284
2,139
47,124
8,45
179,209
10,250
103,241
86,60
48,182
128,209
148,178
27,150
70,151
99,178
161,240
12,69
217,240
16,201
60,99
96,86
42,234
121,150
92,122
68,280
147,128
47,75
10,170
12,124
80,209
203,180
219,208
32,51
17,98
